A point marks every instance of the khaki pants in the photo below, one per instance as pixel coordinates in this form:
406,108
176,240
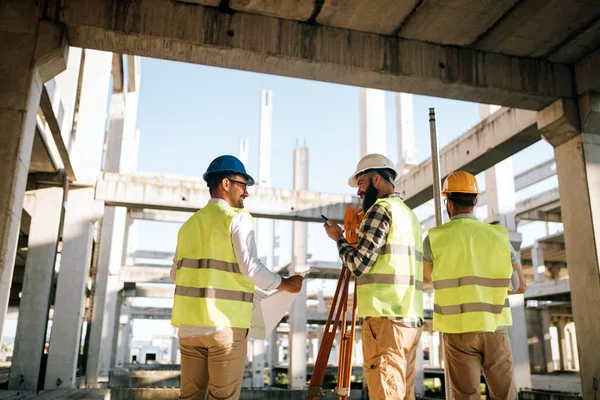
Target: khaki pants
467,354
390,351
213,365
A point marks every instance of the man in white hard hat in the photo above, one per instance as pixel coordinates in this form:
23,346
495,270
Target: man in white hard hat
388,266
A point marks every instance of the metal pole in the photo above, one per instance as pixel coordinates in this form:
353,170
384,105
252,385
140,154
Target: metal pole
437,189
435,163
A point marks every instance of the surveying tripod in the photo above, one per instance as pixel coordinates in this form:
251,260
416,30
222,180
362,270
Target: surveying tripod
339,308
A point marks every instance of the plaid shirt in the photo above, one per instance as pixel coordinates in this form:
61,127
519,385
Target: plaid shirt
371,238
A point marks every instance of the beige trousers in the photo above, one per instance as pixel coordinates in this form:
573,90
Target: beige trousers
213,365
467,354
390,351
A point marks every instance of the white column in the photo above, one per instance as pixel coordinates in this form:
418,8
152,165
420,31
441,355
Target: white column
264,227
37,284
121,156
500,199
76,256
82,211
297,346
266,127
21,80
124,340
372,122
243,151
405,127
539,266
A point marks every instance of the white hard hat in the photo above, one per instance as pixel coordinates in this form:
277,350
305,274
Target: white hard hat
373,161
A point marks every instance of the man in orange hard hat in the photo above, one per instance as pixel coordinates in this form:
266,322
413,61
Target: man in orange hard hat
387,263
470,264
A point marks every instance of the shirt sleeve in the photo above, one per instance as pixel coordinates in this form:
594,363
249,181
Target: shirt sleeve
515,257
244,245
173,272
427,252
372,236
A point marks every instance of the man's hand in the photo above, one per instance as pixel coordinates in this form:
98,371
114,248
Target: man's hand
333,231
520,290
293,284
522,283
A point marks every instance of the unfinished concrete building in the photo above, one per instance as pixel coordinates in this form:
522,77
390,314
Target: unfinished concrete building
70,197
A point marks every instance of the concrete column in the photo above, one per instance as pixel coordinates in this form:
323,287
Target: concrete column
125,336
420,371
297,366
258,363
32,52
264,227
243,152
573,131
81,209
539,267
121,156
572,343
106,294
405,127
372,122
37,284
500,199
273,346
540,350
562,344
266,128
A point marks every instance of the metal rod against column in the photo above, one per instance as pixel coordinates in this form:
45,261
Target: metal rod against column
437,189
435,162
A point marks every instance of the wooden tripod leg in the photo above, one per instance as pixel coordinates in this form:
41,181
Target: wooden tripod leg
342,364
316,380
345,364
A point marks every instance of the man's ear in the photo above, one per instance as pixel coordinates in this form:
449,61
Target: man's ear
376,179
226,184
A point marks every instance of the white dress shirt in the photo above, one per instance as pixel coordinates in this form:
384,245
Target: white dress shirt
244,246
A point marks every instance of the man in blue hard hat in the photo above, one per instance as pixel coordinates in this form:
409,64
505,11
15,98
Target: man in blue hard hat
215,269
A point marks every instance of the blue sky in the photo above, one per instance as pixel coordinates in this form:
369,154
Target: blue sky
189,114
204,111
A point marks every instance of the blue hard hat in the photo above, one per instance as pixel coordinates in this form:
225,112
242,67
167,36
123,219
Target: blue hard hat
226,164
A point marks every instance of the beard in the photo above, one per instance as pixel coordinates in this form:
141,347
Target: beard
370,197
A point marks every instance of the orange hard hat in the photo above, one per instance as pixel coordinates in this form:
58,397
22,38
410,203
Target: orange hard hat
460,182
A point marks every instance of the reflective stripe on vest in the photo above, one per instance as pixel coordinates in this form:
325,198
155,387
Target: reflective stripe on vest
393,287
471,275
210,289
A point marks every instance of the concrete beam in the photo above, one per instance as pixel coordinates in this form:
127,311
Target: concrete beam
160,215
586,73
212,36
117,72
133,73
589,110
536,174
189,195
46,106
497,137
539,215
152,254
547,289
163,291
559,122
545,201
145,274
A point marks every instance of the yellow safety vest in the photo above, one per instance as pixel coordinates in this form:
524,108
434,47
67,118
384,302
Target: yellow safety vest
393,287
471,274
210,289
